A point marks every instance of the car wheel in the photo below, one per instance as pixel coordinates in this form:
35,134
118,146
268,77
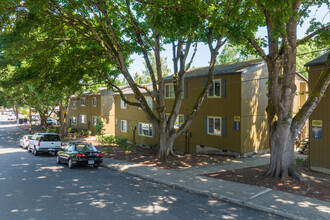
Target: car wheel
58,160
28,149
96,165
70,164
35,152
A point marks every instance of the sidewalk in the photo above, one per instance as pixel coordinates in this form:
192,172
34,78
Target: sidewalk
280,203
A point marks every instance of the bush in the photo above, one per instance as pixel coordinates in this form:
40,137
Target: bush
153,146
109,139
53,129
99,127
122,142
69,129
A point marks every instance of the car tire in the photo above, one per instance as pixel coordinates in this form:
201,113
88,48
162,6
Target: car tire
28,149
70,164
35,152
96,165
58,160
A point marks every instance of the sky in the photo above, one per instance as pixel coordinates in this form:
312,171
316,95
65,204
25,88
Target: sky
203,55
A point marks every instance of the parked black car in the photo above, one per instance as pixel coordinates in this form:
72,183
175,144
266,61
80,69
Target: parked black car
79,153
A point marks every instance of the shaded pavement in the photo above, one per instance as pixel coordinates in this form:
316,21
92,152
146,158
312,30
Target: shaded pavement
280,203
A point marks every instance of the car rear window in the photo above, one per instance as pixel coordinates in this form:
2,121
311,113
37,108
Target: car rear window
50,137
85,148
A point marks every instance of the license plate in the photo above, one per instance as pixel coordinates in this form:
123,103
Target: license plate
91,162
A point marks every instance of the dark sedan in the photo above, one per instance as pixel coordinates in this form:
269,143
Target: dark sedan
79,154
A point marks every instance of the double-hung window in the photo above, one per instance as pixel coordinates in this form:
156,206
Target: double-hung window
83,119
145,129
123,105
74,104
74,121
123,126
94,120
178,121
215,90
83,102
169,90
214,125
94,101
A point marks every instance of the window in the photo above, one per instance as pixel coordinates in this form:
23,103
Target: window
94,120
123,126
215,89
169,91
145,129
50,137
83,119
83,102
94,101
74,121
214,125
74,104
123,105
178,121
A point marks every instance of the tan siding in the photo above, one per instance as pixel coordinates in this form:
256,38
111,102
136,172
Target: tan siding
320,148
91,111
108,113
222,107
254,128
133,116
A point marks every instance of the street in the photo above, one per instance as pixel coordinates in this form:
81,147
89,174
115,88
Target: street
37,188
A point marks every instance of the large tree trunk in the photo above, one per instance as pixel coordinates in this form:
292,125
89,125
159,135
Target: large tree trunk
165,145
282,134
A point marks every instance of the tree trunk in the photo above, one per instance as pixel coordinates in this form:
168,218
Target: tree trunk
165,145
62,119
30,120
282,134
282,159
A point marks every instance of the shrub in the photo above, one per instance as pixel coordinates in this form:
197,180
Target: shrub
99,127
109,139
122,142
69,129
153,146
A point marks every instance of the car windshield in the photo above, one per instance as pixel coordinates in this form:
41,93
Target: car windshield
50,137
85,148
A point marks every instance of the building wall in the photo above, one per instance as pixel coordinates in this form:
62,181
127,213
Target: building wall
133,115
320,148
108,113
104,110
228,107
254,125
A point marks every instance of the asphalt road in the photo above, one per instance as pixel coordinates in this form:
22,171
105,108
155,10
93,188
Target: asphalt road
37,188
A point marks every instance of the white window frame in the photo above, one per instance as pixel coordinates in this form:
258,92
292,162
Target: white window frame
83,119
123,122
74,104
81,101
212,88
122,104
170,95
208,126
150,127
74,120
177,123
94,101
94,120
